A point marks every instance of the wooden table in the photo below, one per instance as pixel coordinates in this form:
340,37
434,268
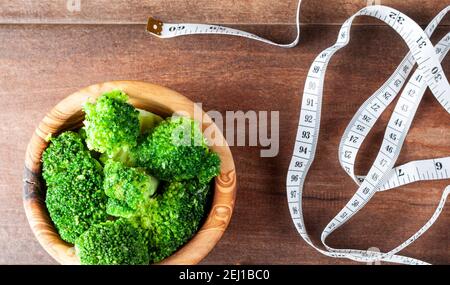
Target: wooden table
47,52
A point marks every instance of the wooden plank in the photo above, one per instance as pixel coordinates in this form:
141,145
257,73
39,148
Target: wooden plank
41,64
205,11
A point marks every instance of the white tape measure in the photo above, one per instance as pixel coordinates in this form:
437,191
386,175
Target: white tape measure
168,30
382,176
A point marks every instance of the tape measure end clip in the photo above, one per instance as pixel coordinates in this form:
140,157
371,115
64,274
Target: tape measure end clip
154,26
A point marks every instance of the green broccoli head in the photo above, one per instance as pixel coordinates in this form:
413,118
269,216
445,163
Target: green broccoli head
75,198
111,124
119,208
113,243
176,150
129,188
174,216
210,167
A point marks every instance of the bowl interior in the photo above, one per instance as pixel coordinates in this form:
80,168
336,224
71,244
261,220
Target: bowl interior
67,115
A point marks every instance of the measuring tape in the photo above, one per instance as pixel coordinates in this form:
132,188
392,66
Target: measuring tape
168,30
382,176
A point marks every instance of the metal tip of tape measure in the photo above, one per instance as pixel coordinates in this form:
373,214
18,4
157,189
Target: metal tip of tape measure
154,26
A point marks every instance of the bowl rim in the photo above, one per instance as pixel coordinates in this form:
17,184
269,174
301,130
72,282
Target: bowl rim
67,114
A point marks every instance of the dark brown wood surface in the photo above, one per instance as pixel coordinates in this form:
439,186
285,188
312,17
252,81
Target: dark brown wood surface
47,53
248,12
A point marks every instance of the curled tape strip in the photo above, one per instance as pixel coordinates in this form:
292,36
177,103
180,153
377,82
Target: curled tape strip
168,30
428,74
382,176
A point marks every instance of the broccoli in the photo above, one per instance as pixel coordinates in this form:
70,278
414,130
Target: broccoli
176,150
171,217
113,243
115,213
118,208
75,198
112,125
210,168
128,188
174,216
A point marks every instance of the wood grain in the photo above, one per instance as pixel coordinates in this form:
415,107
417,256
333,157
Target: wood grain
41,64
244,12
67,115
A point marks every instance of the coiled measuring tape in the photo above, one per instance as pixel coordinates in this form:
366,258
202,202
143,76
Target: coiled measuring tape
382,176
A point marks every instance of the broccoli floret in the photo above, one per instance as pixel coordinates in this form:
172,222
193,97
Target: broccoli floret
130,188
75,198
173,217
176,150
113,243
112,125
119,208
210,167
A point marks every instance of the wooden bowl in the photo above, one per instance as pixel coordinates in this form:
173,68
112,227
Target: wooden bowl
67,115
